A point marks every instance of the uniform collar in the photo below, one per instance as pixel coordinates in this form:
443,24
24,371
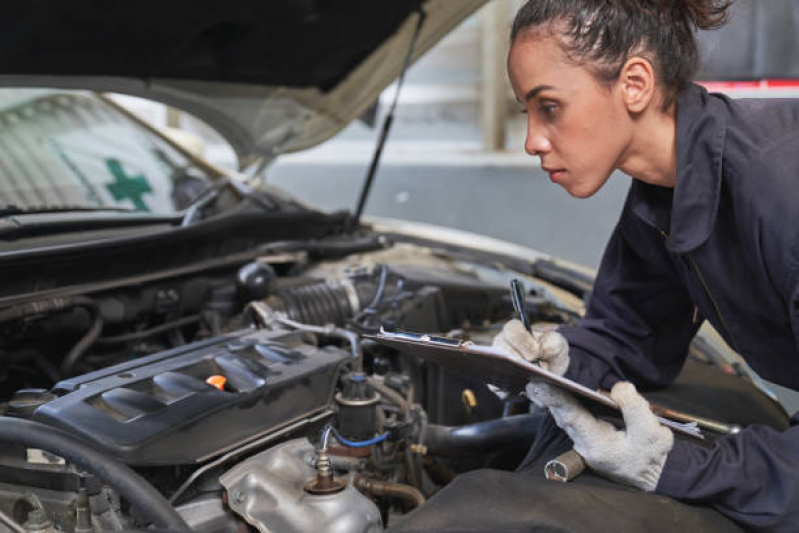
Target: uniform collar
690,209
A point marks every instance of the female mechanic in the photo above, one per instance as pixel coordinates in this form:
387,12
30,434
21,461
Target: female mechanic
709,231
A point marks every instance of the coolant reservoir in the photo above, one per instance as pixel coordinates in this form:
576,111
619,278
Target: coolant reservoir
267,491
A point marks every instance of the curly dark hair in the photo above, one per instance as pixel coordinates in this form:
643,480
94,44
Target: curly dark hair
603,34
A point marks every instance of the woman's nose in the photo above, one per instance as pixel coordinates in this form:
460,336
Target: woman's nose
536,143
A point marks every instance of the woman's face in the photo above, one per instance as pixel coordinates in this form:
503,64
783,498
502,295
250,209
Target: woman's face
579,128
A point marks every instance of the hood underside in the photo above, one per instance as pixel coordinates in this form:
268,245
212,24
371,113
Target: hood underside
271,76
293,43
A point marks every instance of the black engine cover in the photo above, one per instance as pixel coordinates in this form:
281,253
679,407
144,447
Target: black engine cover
159,410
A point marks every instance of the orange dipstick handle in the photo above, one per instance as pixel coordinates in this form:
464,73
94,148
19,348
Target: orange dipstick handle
217,381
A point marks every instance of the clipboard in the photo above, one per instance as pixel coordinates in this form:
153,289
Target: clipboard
498,368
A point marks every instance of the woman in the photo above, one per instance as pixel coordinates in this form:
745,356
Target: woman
708,231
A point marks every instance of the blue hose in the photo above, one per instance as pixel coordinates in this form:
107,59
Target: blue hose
356,444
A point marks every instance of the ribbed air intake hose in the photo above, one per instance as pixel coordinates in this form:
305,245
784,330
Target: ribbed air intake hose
317,303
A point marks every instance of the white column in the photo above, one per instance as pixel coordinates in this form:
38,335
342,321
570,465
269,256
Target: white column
493,97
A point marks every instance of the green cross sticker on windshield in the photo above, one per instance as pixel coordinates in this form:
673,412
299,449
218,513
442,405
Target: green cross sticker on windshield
126,187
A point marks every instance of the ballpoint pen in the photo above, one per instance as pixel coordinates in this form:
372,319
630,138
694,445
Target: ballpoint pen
519,302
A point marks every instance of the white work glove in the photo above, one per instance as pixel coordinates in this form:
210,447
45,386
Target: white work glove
547,349
634,456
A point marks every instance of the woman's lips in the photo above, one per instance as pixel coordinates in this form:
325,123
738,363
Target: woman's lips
555,174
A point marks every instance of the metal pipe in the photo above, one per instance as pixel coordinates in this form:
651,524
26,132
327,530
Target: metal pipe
571,464
682,417
565,467
423,424
704,423
410,467
10,524
267,315
403,492
391,395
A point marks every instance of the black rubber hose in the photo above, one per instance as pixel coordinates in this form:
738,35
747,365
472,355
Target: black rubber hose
44,364
135,489
157,330
86,342
43,307
54,305
490,435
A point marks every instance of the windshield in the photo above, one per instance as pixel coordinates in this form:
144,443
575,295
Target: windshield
62,151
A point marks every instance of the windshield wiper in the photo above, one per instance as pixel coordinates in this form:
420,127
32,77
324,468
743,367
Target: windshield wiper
194,211
11,210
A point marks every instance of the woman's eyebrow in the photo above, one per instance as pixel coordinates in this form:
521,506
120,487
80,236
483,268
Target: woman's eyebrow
532,93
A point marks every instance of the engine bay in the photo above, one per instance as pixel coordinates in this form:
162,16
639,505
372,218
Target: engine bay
222,384
244,396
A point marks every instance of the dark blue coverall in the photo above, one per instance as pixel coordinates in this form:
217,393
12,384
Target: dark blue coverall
723,245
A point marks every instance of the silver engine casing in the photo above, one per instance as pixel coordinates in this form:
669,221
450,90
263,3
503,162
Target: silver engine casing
267,491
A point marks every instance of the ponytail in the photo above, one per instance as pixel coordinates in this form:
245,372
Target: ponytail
703,14
604,33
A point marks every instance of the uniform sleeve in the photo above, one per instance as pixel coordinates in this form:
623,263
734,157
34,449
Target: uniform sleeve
638,324
752,477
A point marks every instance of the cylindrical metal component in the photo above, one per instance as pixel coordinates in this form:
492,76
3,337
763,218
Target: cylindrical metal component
83,516
564,467
323,463
406,493
26,401
702,422
38,520
324,483
357,414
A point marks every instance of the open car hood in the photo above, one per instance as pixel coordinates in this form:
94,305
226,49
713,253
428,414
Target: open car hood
271,76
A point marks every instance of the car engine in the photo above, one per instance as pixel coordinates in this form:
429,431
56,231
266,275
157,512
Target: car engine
248,398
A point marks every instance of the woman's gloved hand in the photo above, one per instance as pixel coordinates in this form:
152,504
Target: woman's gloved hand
633,456
548,349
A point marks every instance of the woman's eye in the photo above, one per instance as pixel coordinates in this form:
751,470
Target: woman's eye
548,110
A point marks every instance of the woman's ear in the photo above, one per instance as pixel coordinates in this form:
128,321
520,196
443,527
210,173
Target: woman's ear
637,84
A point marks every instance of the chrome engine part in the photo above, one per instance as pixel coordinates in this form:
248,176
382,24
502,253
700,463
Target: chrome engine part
267,490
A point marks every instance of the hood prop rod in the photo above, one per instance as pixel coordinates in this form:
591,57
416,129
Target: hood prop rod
387,122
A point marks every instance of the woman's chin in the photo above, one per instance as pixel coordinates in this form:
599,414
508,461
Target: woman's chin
584,188
580,190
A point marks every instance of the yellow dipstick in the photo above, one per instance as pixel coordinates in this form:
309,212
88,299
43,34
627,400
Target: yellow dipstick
468,398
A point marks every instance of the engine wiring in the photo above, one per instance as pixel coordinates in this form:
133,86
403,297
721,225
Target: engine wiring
350,443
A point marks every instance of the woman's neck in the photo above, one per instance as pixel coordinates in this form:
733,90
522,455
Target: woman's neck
652,154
